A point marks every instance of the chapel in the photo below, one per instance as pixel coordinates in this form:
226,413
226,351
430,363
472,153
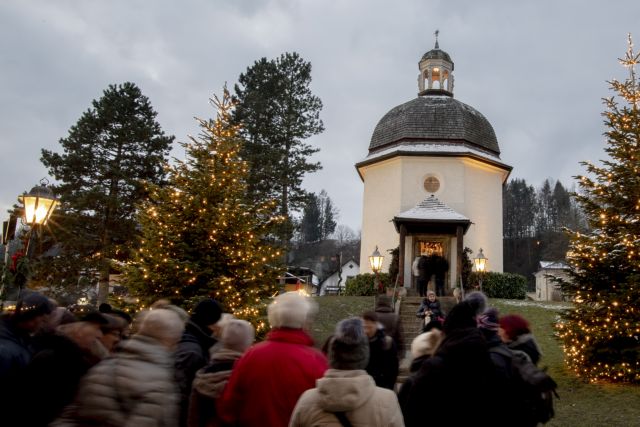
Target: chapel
433,179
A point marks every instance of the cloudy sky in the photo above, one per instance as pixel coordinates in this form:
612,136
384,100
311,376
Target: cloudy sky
537,71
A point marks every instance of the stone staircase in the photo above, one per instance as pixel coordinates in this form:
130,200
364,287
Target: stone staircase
412,326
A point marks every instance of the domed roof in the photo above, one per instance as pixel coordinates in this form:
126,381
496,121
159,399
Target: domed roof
437,54
434,118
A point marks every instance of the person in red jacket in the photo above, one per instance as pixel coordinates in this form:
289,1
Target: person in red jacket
267,381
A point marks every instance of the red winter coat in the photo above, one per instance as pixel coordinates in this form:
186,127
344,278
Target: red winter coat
267,381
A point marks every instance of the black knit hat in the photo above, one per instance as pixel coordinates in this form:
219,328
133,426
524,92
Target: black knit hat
206,313
32,305
349,348
461,316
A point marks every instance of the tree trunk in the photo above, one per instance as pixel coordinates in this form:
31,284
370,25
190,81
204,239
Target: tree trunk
103,283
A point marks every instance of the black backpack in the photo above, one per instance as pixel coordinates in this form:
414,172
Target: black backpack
536,387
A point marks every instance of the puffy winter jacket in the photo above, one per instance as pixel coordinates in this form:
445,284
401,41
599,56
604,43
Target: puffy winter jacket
267,381
352,392
134,389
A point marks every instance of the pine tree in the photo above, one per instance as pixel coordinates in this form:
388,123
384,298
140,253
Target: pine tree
311,222
201,237
601,332
278,112
328,216
113,149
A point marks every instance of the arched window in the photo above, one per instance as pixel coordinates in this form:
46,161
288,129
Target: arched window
435,78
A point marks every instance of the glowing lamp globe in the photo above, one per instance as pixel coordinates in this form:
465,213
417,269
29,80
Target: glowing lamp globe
376,261
480,262
39,204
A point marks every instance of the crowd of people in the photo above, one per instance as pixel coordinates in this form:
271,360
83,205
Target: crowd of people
166,367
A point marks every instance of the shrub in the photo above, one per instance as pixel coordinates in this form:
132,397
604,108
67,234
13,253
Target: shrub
363,284
501,285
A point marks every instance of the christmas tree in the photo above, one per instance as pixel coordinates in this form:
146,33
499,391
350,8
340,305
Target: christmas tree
601,332
200,234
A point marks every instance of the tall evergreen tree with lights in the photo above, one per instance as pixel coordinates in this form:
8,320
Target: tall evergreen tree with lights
601,333
200,235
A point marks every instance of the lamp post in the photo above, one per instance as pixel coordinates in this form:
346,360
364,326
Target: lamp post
38,205
480,262
376,265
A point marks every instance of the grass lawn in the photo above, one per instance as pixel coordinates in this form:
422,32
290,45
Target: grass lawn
580,404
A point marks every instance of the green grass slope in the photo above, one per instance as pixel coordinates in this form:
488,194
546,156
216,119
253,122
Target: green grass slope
580,404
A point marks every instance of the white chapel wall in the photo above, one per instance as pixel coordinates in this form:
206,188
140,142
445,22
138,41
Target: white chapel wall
470,187
381,202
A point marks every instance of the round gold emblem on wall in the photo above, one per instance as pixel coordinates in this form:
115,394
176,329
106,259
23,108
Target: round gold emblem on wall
431,184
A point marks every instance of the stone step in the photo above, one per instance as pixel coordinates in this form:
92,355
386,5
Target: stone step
412,325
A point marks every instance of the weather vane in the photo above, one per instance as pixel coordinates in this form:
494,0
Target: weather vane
436,34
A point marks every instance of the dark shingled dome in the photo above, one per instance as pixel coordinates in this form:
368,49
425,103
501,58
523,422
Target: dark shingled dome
434,118
437,54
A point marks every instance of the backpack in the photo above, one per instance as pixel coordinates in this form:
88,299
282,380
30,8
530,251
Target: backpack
536,387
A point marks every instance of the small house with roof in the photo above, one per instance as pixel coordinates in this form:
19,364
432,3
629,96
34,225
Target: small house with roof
433,178
337,281
548,289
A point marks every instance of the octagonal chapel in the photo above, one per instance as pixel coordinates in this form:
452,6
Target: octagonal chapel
433,179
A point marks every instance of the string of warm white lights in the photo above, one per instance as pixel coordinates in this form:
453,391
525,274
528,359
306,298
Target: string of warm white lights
201,235
601,334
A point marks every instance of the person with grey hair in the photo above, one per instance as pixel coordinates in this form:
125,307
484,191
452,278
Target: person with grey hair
346,394
236,336
267,381
478,301
136,387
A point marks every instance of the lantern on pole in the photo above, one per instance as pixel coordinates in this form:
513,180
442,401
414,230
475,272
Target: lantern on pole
480,263
376,265
38,205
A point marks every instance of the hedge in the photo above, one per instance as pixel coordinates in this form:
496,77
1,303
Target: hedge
363,284
501,285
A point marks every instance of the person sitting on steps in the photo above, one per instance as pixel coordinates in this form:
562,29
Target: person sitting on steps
430,309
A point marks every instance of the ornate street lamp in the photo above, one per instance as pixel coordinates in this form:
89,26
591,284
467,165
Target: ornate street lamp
39,204
480,263
376,265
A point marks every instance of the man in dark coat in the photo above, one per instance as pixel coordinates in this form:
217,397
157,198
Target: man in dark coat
424,275
32,313
391,322
458,380
193,349
383,363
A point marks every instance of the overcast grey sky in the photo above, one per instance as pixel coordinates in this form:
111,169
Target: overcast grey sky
536,70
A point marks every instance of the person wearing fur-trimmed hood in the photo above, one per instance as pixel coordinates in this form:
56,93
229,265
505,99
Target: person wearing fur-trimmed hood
346,390
208,385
